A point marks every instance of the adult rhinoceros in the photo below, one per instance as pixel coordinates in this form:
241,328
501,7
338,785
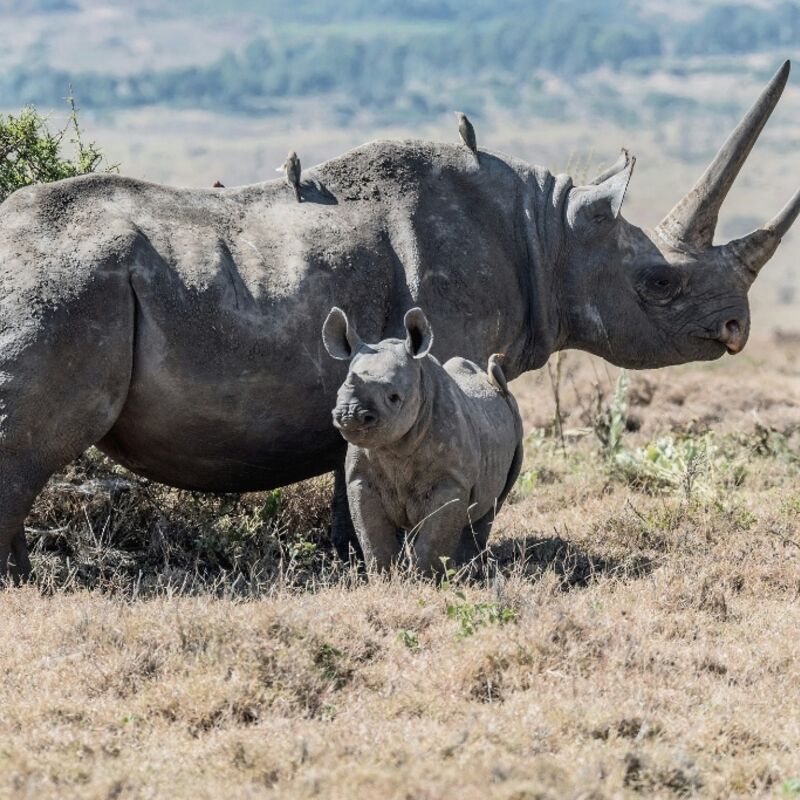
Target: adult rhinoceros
178,330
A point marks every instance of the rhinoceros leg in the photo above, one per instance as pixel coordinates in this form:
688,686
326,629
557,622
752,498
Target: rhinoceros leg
343,534
475,537
19,487
376,532
439,533
63,384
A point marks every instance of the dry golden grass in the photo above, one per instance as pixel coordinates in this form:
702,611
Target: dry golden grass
622,639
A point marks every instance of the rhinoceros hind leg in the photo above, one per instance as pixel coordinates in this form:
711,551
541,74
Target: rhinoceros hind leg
62,388
16,497
475,537
14,560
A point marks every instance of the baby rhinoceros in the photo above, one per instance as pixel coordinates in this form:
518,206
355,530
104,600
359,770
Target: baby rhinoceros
432,450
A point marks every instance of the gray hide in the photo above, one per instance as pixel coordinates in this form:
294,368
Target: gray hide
433,450
179,329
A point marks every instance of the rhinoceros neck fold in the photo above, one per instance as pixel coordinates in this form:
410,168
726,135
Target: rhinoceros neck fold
541,215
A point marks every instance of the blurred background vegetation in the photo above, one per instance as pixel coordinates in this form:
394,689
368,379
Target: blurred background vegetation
407,59
404,59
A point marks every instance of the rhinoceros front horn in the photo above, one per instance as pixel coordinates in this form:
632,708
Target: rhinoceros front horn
692,222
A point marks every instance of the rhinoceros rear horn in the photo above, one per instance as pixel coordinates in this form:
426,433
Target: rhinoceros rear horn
755,249
419,334
691,223
339,336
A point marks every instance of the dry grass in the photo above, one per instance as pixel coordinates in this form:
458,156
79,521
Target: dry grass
625,637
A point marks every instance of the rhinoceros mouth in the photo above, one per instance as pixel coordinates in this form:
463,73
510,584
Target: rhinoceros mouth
354,425
360,437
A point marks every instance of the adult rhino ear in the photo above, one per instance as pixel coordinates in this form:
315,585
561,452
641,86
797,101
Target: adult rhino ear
592,210
339,336
419,334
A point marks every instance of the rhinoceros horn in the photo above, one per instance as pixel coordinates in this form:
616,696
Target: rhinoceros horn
691,223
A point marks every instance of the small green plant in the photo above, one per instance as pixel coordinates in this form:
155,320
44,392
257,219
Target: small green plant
609,423
791,788
526,483
409,638
328,660
471,616
31,153
766,441
447,575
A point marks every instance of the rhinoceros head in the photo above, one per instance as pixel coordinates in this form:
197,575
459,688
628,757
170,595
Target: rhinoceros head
380,400
666,296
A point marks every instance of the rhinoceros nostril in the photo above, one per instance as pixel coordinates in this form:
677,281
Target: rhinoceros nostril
365,415
732,335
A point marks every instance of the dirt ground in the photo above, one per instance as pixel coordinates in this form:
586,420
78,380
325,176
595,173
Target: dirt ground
632,631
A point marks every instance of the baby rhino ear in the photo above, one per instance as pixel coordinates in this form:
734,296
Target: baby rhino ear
339,336
419,334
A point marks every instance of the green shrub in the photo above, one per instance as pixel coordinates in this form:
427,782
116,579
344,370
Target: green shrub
697,466
30,152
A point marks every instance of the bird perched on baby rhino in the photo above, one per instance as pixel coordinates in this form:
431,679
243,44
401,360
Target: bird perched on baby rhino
293,170
467,132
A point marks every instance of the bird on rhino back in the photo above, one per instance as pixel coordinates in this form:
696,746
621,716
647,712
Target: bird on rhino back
432,450
177,329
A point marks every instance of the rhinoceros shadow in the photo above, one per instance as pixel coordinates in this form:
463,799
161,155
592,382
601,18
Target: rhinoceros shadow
533,556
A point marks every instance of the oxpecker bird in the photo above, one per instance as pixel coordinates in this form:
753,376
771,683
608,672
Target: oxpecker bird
496,374
466,132
218,185
292,169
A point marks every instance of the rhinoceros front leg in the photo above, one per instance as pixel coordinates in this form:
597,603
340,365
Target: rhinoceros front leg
377,534
343,534
474,538
438,535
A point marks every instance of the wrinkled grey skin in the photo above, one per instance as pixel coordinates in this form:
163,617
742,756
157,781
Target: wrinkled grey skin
178,330
433,450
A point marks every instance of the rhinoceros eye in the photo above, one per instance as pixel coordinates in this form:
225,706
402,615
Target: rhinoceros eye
659,284
394,399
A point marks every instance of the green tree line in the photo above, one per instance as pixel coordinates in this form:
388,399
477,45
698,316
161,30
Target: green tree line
381,55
